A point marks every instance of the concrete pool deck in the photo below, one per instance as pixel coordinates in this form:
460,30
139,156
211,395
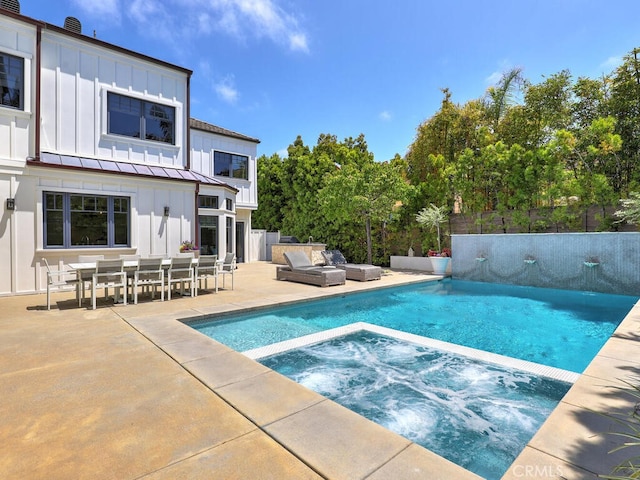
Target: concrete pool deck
129,392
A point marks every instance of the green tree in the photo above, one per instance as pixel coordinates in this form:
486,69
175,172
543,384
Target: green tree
269,214
363,195
601,146
444,136
625,107
499,98
304,175
433,217
548,105
630,211
591,101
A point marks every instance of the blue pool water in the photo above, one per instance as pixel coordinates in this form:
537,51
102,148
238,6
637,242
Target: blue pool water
478,415
559,328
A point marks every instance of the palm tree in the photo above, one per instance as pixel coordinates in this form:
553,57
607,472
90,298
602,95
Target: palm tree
431,217
500,97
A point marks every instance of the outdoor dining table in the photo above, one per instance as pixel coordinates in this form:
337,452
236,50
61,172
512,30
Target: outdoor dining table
129,265
85,267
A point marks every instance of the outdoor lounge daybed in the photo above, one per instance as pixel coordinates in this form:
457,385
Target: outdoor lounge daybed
300,269
355,271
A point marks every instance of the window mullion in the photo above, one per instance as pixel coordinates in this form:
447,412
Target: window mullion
110,226
66,215
143,122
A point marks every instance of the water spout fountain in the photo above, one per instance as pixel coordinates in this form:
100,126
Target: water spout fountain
591,262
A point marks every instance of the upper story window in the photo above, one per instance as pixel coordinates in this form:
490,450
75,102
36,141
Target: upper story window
11,81
229,204
231,165
137,118
207,201
73,220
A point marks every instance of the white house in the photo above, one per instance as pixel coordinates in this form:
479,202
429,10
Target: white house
98,155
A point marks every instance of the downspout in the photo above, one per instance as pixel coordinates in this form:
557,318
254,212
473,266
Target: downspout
187,142
38,118
197,217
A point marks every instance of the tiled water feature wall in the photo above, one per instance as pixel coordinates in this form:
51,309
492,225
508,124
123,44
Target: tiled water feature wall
597,262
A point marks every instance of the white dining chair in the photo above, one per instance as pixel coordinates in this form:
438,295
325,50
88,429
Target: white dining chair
61,280
207,267
149,274
181,271
129,259
109,274
85,276
228,268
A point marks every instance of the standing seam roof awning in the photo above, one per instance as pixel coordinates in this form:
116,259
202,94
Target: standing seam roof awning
124,168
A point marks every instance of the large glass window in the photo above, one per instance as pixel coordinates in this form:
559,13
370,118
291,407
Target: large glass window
208,234
137,118
11,81
72,220
230,165
207,201
124,115
229,226
54,220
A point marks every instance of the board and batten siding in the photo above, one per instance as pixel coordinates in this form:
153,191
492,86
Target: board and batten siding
203,146
18,39
76,78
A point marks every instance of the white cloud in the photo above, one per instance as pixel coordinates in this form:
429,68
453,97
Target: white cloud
226,89
494,78
154,19
385,116
612,63
107,10
204,68
262,17
298,41
142,10
176,21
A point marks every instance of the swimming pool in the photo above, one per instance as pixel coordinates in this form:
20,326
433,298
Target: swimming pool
560,328
479,415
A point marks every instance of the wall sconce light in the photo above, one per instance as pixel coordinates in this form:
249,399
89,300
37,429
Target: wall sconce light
11,203
166,211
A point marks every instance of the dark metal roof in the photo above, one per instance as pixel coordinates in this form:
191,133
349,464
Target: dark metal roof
124,168
207,127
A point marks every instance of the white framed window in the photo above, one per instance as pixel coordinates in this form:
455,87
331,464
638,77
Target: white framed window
12,81
208,201
230,165
139,118
73,220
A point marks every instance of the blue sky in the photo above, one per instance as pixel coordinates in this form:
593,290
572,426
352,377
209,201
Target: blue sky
275,69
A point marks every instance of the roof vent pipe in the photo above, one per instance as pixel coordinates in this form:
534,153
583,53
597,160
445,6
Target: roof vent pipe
73,24
11,5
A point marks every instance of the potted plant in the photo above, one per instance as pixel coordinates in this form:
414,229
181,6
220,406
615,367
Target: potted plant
431,217
189,246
